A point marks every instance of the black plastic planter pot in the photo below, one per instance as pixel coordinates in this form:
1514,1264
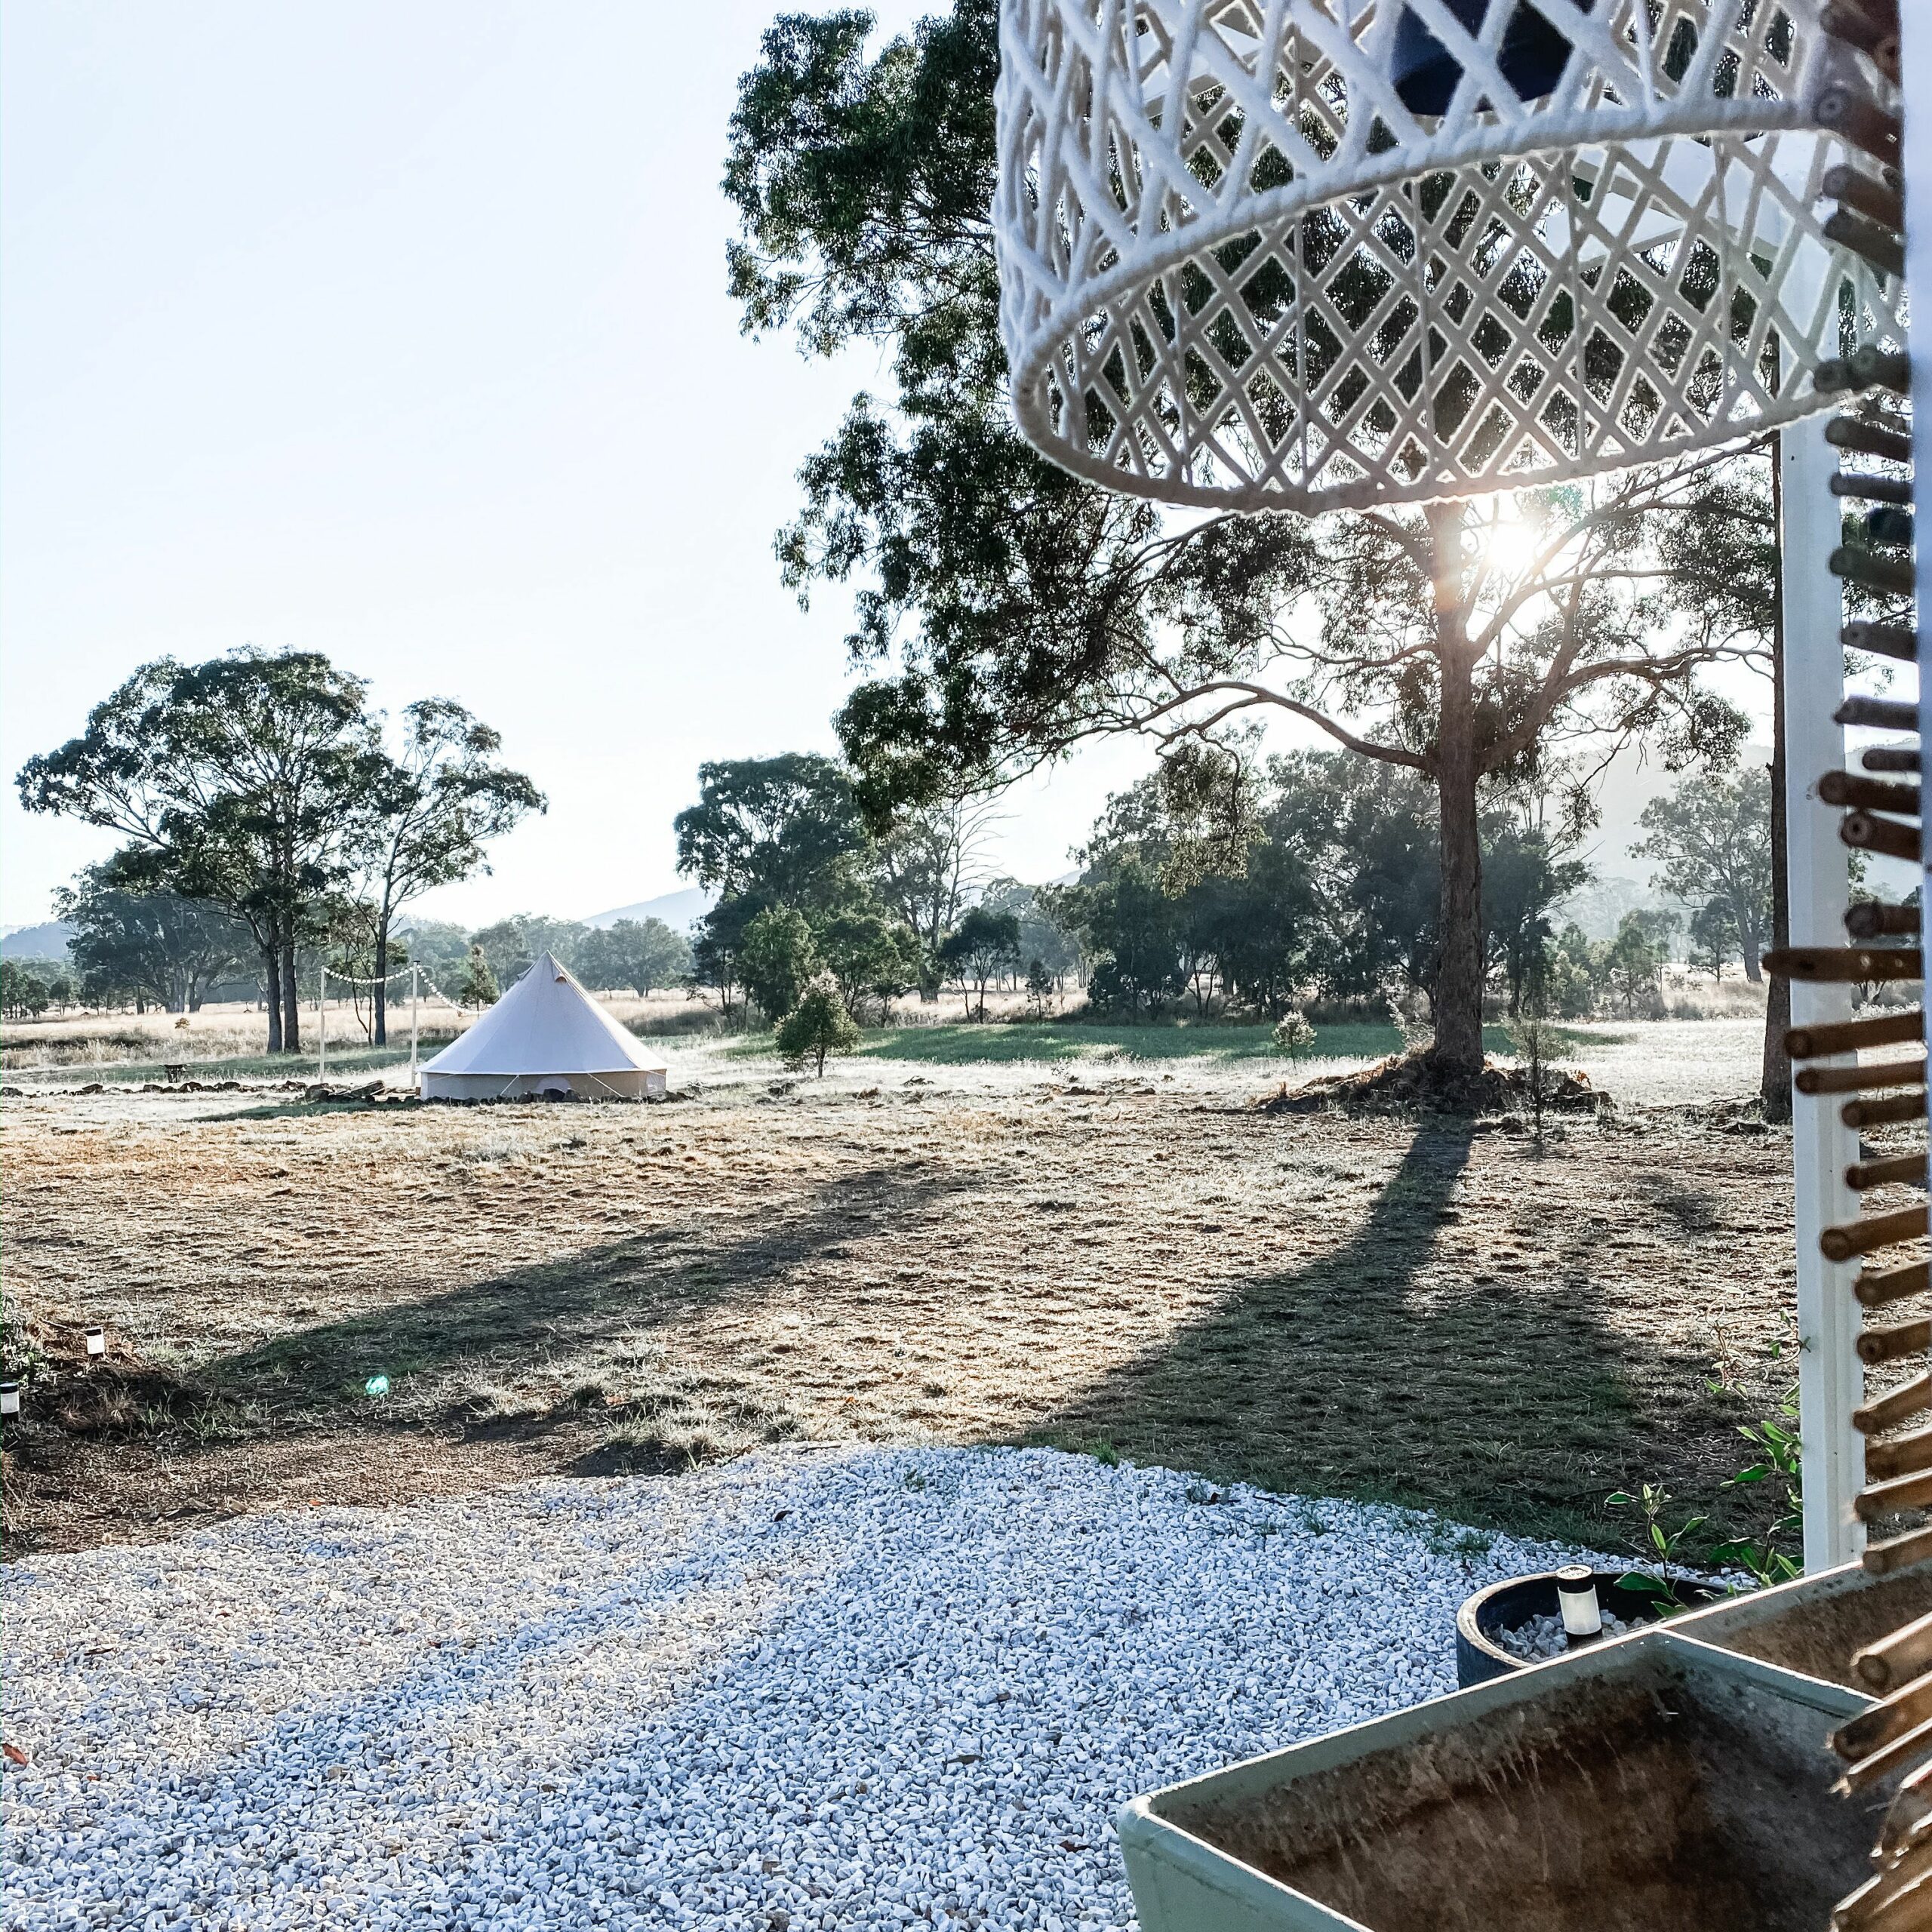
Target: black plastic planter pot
1480,1656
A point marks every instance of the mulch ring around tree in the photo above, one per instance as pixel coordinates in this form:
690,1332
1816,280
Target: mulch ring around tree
1417,1083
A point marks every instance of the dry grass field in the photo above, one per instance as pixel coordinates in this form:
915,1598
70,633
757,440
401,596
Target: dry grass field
1115,1253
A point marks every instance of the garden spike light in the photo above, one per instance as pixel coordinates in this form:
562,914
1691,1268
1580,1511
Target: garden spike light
1315,254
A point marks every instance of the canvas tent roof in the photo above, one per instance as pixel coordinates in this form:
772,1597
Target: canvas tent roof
545,1023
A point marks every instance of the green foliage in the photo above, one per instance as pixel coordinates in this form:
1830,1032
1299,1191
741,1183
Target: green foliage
154,945
780,830
1773,1557
1524,880
716,941
777,960
868,954
817,1025
1534,1040
1712,840
1313,874
243,782
438,945
1040,938
985,944
29,988
1132,931
1633,964
781,839
1040,988
478,987
1666,1545
511,944
260,785
642,954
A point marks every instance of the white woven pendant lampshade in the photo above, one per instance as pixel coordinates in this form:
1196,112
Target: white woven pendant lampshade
1308,254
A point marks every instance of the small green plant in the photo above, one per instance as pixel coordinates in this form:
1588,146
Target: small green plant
1530,1037
1778,1463
1293,1032
1652,1499
914,1481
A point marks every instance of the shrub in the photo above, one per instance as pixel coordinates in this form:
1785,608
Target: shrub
817,1025
1292,1032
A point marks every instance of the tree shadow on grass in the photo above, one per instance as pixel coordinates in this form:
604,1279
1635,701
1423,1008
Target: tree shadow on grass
1373,1371
569,1308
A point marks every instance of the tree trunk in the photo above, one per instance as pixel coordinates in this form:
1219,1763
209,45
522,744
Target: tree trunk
292,1011
1748,939
1459,974
272,973
381,988
1774,1077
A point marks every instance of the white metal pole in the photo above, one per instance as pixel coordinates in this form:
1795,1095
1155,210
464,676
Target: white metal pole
321,1023
1830,1380
415,995
1916,30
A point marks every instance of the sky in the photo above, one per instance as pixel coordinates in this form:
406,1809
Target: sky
401,333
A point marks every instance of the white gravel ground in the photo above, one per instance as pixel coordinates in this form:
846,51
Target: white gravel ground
852,1687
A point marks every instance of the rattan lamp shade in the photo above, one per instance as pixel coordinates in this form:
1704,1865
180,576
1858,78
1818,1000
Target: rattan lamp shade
1308,254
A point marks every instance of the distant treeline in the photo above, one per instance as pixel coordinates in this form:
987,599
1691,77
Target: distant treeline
1223,883
1314,879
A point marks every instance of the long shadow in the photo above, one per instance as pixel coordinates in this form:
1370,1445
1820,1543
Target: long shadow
625,1288
1503,1399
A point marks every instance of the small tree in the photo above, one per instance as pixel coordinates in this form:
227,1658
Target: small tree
777,960
1039,988
478,986
1713,937
984,944
1635,963
819,1024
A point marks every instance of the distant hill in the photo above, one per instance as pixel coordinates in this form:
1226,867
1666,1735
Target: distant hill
680,911
49,940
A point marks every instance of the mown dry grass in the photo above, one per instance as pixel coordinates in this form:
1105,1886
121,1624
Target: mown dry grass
1362,1308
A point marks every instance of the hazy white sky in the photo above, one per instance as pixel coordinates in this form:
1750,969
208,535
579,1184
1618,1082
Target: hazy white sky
400,332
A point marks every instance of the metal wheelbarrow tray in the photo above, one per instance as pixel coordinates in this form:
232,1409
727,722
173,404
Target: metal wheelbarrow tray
1646,1785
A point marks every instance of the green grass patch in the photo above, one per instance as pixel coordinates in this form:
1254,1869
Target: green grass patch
1006,1042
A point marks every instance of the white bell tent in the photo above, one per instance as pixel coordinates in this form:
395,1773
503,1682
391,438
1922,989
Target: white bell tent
545,1036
